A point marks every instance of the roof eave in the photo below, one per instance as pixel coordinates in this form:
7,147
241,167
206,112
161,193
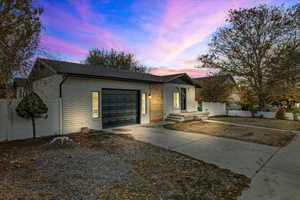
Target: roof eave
106,77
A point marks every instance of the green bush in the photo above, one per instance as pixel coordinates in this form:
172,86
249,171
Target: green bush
31,107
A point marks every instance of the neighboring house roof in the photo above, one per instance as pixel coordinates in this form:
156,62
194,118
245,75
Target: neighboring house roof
93,71
221,79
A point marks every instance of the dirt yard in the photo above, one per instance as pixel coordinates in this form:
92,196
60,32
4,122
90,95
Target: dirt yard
269,123
106,166
261,136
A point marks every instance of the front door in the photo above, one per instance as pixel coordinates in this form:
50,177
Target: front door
183,99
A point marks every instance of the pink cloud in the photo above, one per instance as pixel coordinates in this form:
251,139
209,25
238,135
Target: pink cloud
191,63
186,23
83,8
191,72
60,46
175,28
82,30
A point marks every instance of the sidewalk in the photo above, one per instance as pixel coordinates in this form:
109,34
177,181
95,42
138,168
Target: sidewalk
280,178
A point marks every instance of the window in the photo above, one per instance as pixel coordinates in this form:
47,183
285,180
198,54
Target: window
95,104
144,104
176,100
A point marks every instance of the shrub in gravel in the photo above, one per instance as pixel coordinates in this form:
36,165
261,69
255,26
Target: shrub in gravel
31,107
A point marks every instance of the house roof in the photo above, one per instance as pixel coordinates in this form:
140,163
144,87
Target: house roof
93,71
221,79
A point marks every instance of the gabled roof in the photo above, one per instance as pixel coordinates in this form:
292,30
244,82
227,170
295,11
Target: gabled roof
187,78
221,79
92,71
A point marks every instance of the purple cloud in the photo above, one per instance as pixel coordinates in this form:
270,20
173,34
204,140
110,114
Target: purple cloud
185,23
169,33
80,29
58,46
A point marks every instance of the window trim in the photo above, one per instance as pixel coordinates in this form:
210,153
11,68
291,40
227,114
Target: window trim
145,105
98,92
174,100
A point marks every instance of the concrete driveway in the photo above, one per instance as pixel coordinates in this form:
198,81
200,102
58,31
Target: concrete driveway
275,172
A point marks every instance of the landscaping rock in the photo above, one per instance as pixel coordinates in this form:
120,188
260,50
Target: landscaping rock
109,167
61,140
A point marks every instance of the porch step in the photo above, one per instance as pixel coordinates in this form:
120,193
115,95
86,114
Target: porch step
176,115
175,118
180,117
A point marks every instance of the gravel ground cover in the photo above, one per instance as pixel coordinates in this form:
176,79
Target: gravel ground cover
269,123
106,166
256,135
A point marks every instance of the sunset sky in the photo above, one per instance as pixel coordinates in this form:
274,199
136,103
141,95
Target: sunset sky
167,35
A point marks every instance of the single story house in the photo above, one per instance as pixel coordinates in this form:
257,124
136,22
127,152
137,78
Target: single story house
99,97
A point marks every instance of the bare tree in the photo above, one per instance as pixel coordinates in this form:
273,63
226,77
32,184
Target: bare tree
20,28
285,78
251,44
114,59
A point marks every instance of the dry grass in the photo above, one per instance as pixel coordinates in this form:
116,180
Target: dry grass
269,123
109,167
261,136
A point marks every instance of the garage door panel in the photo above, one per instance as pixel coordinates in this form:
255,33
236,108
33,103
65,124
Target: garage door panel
114,106
119,115
119,107
121,119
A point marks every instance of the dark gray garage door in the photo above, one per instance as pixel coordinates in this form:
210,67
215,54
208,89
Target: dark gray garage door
119,107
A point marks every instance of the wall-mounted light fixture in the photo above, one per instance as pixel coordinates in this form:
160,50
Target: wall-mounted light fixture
149,96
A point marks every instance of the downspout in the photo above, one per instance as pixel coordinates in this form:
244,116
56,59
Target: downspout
61,105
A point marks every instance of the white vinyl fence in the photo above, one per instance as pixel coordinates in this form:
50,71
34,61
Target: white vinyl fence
219,109
214,109
269,115
239,113
13,127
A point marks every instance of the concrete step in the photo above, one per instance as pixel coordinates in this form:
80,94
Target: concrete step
176,115
175,119
180,117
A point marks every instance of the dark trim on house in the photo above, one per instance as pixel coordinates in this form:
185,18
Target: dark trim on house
60,85
103,77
